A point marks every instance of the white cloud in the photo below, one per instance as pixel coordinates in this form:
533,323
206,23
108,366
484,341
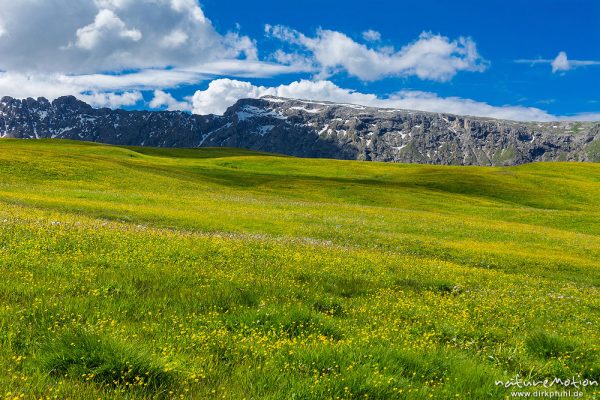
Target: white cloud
106,52
87,36
165,100
112,100
242,45
189,6
561,63
432,57
175,39
22,86
51,87
222,93
371,35
124,90
417,100
147,79
112,4
106,26
586,116
65,47
246,68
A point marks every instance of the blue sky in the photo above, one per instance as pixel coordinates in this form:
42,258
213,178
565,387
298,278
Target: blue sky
503,30
512,59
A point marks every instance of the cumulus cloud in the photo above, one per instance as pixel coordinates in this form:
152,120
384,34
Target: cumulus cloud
106,26
163,99
432,57
176,38
88,36
561,63
52,48
106,52
222,93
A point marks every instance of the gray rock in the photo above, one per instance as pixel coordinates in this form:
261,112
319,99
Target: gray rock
311,129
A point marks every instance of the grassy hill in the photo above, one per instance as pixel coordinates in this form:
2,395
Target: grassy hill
222,273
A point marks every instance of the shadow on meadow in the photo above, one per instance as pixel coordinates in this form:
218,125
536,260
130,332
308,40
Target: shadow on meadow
87,357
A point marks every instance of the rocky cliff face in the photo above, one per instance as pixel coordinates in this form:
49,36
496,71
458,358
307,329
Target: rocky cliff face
311,129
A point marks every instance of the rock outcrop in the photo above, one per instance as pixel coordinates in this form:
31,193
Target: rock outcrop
311,129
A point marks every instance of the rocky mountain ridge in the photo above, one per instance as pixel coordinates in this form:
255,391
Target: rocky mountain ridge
311,129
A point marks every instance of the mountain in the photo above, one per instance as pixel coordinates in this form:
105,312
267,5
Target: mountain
311,129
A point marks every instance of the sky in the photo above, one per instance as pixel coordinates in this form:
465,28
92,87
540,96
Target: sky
523,60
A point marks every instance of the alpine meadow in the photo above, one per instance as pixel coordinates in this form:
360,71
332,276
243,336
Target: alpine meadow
144,273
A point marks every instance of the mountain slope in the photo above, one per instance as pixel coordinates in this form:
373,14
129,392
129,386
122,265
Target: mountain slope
311,129
130,273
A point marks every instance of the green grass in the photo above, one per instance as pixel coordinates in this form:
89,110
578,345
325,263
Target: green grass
593,150
504,156
138,273
80,354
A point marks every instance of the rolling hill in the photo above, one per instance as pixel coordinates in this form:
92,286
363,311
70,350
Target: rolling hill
139,272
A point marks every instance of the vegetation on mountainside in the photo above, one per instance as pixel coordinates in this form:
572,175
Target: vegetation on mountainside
220,273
